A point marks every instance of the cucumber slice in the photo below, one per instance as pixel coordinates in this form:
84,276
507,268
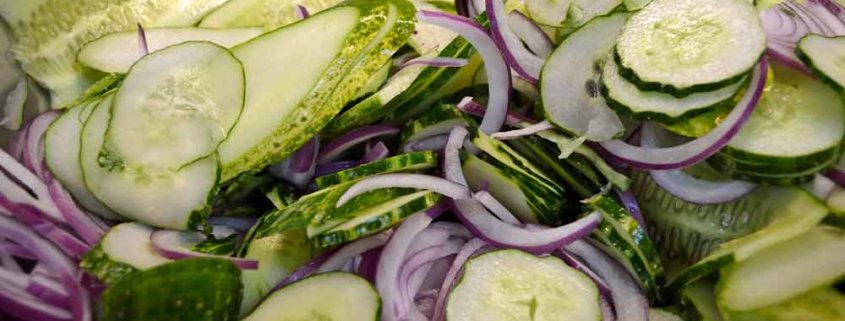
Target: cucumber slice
401,163
687,46
372,220
49,33
117,52
529,199
626,98
823,55
514,285
582,12
578,107
785,125
824,304
780,272
282,112
550,13
795,212
175,107
125,249
195,289
699,299
430,39
375,81
634,5
169,199
269,14
61,153
662,315
335,296
438,120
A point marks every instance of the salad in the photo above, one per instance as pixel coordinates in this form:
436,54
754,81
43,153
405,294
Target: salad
268,160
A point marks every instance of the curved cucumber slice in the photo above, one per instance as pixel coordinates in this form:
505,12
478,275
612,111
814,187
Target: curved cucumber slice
335,296
582,12
175,107
162,198
626,98
551,13
293,94
196,289
49,33
514,285
437,120
61,152
578,107
687,46
798,120
125,249
824,304
401,163
662,315
269,14
780,272
823,55
117,52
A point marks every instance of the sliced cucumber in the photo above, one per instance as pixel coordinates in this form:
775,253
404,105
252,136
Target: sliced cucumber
626,98
49,33
117,52
699,299
170,199
634,5
332,296
125,249
823,55
687,46
376,80
175,107
783,271
578,107
662,315
401,163
196,289
529,199
269,14
438,120
430,39
550,13
582,12
371,220
514,285
281,112
61,153
372,108
824,304
795,212
785,126
14,109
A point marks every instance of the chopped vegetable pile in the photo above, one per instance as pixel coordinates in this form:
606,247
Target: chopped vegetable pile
495,160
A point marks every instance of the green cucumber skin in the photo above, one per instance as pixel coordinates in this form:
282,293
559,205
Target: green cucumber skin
577,180
99,265
198,289
726,161
405,162
816,71
329,217
610,241
629,74
377,224
823,304
434,115
329,97
765,175
809,161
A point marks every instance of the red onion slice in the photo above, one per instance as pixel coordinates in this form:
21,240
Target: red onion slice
498,73
530,33
9,248
304,271
484,225
689,188
525,63
49,290
375,153
31,182
176,245
17,302
469,248
496,207
436,62
451,156
522,132
17,143
352,250
82,223
415,269
785,24
628,299
431,143
632,206
299,168
699,149
418,181
143,48
33,153
575,263
302,12
390,263
340,145
469,106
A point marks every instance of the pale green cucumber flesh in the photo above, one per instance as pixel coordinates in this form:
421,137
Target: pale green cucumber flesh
824,304
401,163
269,14
823,55
126,248
117,52
358,38
513,285
335,296
582,12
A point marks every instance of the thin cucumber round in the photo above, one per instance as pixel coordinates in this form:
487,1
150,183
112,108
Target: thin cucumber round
126,248
626,98
514,285
582,12
335,296
823,55
415,161
175,107
729,163
798,120
687,46
569,82
168,199
550,13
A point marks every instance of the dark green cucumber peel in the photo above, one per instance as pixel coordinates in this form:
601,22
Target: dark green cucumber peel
199,289
802,55
577,177
401,163
354,63
328,217
438,114
97,263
